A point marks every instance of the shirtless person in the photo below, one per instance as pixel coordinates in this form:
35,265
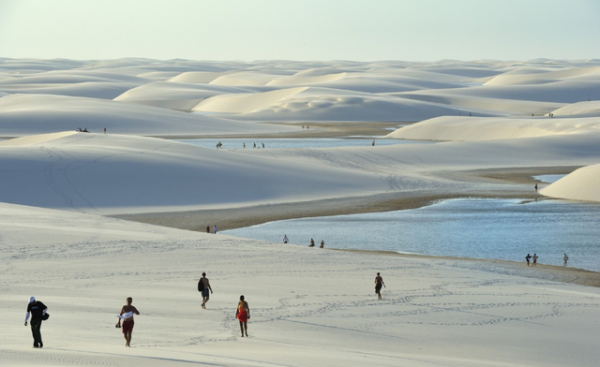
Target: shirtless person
206,287
378,283
128,310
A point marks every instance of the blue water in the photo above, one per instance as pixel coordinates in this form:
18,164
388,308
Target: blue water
295,143
475,228
549,178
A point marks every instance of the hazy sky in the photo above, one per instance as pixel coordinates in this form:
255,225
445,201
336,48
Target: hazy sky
301,29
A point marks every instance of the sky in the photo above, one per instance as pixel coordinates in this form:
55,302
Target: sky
361,30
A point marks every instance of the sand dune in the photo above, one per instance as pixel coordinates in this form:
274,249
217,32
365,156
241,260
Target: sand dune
581,109
542,77
175,96
23,113
318,309
492,128
309,306
583,184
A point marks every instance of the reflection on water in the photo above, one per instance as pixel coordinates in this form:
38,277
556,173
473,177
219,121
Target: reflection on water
476,228
295,143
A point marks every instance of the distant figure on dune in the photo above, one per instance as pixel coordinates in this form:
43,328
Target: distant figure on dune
254,145
243,315
263,145
204,287
469,114
373,143
38,312
303,127
244,145
285,238
536,187
85,130
312,243
378,283
565,259
208,229
127,316
322,244
535,257
104,131
215,229
527,258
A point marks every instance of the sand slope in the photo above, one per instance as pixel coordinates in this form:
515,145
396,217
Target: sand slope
21,114
492,128
318,309
583,184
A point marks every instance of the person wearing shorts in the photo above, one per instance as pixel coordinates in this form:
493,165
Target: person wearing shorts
127,316
205,290
378,284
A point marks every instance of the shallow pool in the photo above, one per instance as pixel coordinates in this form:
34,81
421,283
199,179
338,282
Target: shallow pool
295,143
475,228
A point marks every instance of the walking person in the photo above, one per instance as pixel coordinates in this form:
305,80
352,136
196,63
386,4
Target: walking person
536,187
285,238
527,258
204,287
378,283
215,229
373,143
243,315
312,243
104,131
208,229
535,257
565,259
38,312
127,316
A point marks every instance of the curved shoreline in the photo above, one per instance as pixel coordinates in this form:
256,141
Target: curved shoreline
541,271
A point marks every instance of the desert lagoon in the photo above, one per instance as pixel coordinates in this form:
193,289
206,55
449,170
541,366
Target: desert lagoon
296,143
504,229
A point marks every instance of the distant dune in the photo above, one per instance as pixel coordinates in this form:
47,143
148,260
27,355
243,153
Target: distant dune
583,184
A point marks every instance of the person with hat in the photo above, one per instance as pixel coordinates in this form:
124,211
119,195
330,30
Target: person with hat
38,312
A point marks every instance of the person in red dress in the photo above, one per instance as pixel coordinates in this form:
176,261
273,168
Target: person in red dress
243,314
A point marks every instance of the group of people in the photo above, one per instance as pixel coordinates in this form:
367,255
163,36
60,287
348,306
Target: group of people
214,229
85,130
535,258
312,243
242,312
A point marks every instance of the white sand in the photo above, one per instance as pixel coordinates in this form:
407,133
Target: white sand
583,184
319,309
308,306
492,128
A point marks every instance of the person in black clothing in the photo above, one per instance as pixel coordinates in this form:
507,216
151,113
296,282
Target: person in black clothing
37,310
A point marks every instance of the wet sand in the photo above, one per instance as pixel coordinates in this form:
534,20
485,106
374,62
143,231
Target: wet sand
562,274
315,130
248,216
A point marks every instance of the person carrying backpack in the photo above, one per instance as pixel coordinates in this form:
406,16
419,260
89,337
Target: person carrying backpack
204,287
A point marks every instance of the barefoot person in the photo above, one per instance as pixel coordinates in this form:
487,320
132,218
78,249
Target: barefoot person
127,316
527,258
37,310
243,314
535,257
565,259
204,285
378,283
